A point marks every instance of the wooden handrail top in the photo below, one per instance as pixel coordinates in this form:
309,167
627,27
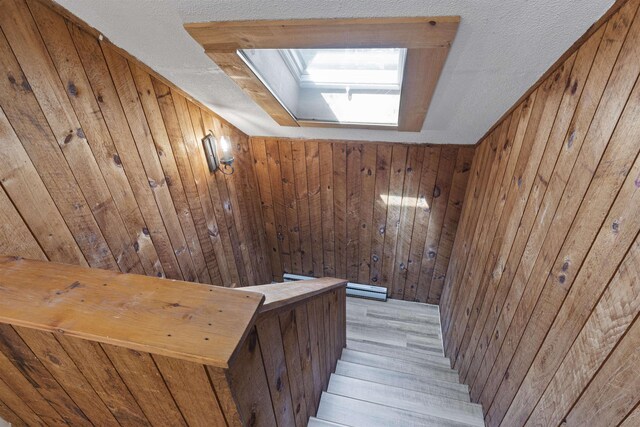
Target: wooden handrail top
189,321
282,294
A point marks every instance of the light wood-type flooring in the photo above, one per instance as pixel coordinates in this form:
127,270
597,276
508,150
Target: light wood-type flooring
394,372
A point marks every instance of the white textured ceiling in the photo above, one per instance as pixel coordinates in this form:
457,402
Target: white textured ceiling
502,48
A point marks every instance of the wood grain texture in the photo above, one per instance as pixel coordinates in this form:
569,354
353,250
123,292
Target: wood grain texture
374,213
427,40
110,156
539,305
300,347
127,310
86,346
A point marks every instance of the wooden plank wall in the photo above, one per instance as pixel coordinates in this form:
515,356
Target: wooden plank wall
276,378
52,379
297,347
101,162
541,301
375,213
179,354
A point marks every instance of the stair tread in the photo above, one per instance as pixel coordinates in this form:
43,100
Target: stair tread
317,422
395,305
419,329
395,364
395,339
448,375
410,400
416,382
399,352
356,413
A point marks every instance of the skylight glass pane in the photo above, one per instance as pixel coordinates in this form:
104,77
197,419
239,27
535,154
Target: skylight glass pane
356,86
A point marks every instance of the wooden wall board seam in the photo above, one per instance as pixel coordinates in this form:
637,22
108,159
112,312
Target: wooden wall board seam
607,294
528,330
582,205
590,251
512,272
579,147
63,52
541,179
357,245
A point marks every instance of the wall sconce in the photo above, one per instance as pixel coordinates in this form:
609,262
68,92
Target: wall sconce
224,163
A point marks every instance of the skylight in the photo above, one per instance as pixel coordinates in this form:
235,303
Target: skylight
345,86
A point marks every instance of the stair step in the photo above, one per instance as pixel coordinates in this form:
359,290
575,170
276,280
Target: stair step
426,373
397,352
389,311
431,330
394,364
410,400
317,422
395,306
359,413
394,337
418,382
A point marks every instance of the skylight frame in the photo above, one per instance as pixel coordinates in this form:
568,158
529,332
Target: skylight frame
292,59
306,99
427,40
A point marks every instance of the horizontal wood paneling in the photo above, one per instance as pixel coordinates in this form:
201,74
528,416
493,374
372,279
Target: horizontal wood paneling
376,213
102,164
540,304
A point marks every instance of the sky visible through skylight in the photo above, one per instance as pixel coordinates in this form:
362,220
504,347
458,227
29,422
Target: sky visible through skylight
355,86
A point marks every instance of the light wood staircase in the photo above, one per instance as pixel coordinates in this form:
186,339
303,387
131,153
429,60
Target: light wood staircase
394,372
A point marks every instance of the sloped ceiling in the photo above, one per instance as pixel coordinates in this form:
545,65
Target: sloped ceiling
502,48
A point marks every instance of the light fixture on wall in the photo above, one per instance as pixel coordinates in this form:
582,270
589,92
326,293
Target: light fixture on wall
224,163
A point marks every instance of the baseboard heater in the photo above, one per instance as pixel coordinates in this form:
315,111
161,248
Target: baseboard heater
357,290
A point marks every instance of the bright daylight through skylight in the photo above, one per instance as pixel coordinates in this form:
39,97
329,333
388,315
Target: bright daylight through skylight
354,86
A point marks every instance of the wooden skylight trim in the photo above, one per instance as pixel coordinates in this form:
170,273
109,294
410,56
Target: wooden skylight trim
427,40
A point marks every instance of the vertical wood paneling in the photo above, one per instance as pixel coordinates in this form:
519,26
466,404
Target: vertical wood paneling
315,207
25,115
381,192
326,201
303,200
277,194
367,203
290,203
171,175
270,337
451,218
214,192
539,310
101,163
446,168
288,328
17,353
340,207
64,370
259,153
424,205
393,199
143,379
367,211
354,195
98,370
408,205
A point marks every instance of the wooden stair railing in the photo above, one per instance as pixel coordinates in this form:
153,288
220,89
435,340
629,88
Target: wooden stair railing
83,346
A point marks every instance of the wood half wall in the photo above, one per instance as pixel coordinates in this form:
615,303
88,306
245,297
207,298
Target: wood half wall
85,346
101,161
374,213
541,301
